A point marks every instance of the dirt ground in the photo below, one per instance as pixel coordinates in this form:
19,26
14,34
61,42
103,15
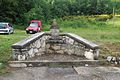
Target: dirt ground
57,57
81,73
112,49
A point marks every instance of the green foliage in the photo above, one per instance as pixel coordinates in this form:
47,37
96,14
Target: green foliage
46,27
81,21
22,11
34,13
60,8
20,27
13,10
103,17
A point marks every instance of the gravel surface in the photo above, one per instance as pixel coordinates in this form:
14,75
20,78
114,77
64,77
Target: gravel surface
57,57
80,73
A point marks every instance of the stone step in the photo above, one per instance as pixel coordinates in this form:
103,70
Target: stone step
50,63
96,70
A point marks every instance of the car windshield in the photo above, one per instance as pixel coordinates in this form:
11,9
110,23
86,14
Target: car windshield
34,24
2,26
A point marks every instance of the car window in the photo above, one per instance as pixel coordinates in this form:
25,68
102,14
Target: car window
2,25
34,24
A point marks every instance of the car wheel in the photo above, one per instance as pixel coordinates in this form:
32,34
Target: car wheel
27,32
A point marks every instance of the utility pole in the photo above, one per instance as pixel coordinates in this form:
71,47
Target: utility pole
114,6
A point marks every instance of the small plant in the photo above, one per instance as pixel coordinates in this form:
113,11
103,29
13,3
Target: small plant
2,68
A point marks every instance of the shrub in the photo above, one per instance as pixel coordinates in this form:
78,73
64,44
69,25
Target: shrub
103,17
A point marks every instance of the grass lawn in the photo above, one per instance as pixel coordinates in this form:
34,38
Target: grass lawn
97,34
7,40
5,47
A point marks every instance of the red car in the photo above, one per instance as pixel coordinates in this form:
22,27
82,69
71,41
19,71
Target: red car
34,26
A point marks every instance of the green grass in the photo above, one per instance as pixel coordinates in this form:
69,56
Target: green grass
95,31
5,46
103,34
7,40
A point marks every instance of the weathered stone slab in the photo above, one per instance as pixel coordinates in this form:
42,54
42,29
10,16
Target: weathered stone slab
27,41
84,70
49,63
18,65
82,40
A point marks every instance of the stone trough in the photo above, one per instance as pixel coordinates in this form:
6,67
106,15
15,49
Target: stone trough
39,44
41,49
53,49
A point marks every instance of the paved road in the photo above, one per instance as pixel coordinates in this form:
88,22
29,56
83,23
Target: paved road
79,73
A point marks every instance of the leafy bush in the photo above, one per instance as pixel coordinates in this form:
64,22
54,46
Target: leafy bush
102,17
80,21
20,27
21,11
34,13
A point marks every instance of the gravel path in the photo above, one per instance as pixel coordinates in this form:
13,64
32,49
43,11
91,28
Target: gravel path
79,73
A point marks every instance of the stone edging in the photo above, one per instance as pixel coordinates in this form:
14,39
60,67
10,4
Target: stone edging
37,45
23,43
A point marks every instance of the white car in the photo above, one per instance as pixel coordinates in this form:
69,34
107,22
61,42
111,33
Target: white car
6,28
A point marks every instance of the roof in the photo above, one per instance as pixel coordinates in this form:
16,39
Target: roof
4,23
